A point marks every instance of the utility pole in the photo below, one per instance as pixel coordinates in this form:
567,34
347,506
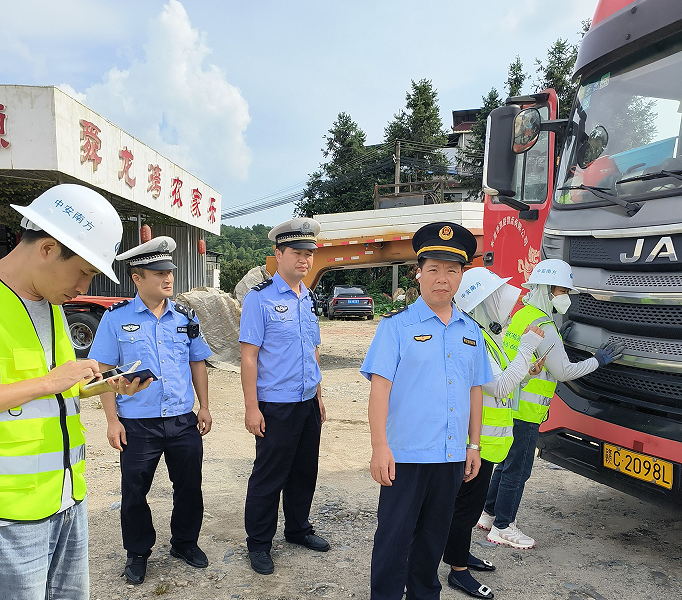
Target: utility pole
397,166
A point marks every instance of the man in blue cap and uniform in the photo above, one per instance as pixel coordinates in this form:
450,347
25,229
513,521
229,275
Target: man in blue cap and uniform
165,337
280,335
426,365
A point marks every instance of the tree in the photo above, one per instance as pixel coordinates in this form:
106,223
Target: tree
515,77
346,181
556,73
470,158
420,130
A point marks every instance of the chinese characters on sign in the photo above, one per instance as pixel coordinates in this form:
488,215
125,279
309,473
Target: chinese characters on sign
91,143
3,142
176,185
127,158
211,211
154,180
196,198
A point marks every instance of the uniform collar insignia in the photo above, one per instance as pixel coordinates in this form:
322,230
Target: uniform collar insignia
422,338
130,327
280,308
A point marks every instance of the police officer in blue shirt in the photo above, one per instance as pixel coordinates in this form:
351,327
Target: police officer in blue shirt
165,337
279,335
426,365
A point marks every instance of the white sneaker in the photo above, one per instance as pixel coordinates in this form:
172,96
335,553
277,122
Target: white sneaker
511,536
485,521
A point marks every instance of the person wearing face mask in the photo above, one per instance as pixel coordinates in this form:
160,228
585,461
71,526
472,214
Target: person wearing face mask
549,286
489,300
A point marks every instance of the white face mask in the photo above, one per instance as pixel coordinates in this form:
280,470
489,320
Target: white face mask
561,303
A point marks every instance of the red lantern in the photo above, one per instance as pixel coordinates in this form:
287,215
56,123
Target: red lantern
201,247
145,233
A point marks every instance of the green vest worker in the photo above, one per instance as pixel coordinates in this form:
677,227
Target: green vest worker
71,234
550,283
489,300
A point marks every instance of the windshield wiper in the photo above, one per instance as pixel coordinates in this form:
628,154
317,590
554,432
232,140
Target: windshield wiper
604,194
676,174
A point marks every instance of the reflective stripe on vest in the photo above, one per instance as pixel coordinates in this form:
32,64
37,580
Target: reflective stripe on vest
537,393
42,438
498,423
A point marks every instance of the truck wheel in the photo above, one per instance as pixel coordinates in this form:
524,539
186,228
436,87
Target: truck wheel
82,328
370,317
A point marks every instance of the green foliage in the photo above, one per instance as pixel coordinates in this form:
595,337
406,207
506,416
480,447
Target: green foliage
555,72
420,129
470,158
242,248
515,77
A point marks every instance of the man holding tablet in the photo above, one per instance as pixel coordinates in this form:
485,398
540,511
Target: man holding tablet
165,337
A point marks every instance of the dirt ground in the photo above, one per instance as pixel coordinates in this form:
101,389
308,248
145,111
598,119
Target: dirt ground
592,542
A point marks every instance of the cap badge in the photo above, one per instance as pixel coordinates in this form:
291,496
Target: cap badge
306,228
163,246
445,233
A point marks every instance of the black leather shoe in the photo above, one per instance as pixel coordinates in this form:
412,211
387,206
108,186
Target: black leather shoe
261,562
312,542
482,591
479,564
135,569
194,557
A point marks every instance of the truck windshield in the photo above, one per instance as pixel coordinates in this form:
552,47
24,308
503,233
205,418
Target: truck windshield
623,137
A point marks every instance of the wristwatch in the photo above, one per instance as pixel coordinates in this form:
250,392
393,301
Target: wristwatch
473,447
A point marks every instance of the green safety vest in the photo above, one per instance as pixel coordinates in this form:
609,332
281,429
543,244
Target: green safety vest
497,433
42,438
537,393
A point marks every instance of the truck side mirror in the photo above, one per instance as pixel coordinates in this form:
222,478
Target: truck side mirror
526,130
500,159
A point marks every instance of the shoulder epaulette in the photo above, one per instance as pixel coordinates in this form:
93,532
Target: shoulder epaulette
118,304
185,310
394,312
262,285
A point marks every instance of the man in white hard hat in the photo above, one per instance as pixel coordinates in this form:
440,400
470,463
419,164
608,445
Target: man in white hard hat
71,234
164,336
549,287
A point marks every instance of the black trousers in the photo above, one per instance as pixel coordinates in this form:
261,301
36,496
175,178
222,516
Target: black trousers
286,462
178,439
468,508
412,530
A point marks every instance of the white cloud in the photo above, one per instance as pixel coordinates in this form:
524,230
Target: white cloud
67,89
177,103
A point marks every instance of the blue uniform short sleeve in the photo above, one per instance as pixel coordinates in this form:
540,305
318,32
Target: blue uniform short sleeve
482,371
383,355
105,345
199,349
252,327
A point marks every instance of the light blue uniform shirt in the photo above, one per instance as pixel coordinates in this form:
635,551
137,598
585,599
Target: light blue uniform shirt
131,333
287,332
433,368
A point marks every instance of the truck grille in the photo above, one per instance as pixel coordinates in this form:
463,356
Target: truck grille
643,388
657,320
648,346
652,280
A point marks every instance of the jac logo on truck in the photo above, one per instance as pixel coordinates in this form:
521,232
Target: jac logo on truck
663,249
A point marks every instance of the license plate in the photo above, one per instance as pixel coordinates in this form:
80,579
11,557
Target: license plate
354,302
639,466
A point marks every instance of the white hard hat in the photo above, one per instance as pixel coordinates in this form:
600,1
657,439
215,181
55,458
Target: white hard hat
477,284
552,271
79,218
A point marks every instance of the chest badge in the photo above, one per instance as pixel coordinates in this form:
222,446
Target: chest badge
281,308
422,338
469,342
130,327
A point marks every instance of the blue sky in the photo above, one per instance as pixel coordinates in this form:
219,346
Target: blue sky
241,93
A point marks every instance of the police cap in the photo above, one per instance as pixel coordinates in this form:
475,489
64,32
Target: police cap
154,255
298,233
444,241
